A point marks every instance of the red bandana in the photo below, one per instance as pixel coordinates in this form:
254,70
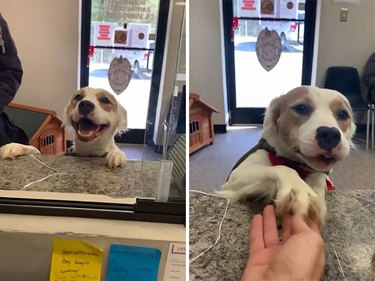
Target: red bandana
277,160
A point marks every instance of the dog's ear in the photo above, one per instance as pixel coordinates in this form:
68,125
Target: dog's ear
273,112
122,117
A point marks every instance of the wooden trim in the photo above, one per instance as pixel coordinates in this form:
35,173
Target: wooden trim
32,108
196,98
40,129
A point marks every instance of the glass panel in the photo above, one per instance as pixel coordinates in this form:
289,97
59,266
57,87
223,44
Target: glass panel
171,183
137,21
256,87
73,177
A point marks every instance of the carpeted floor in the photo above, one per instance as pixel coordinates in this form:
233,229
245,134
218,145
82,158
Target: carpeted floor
210,166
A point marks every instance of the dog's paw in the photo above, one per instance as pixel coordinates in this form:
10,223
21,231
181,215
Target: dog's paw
115,158
296,197
13,150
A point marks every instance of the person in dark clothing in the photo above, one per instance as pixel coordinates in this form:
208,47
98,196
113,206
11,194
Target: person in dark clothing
368,78
13,140
10,66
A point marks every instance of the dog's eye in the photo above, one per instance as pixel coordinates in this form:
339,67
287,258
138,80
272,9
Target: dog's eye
105,100
342,115
301,109
78,97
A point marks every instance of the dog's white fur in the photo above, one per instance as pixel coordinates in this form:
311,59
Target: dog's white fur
113,115
294,139
13,150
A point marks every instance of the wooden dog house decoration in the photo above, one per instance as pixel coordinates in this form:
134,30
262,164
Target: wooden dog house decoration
201,129
42,127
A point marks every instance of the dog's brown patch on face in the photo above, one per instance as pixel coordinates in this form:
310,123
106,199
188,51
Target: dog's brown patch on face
339,105
286,119
76,98
107,101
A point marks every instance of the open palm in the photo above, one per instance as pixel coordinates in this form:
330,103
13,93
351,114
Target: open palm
299,256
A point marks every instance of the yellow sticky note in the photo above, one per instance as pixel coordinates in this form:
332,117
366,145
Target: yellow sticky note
75,260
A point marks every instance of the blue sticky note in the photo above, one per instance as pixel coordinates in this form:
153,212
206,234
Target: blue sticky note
133,263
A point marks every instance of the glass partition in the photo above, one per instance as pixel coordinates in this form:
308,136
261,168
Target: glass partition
49,92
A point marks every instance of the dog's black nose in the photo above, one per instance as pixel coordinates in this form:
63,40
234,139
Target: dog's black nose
85,107
328,138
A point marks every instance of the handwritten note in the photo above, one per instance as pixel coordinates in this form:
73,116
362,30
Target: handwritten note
75,260
133,263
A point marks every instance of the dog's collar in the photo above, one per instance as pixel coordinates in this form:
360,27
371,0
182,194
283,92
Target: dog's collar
275,160
298,167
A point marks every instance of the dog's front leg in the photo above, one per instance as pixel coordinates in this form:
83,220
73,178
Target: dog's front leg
292,194
13,150
115,157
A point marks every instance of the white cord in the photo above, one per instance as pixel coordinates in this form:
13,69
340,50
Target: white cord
45,165
220,226
337,257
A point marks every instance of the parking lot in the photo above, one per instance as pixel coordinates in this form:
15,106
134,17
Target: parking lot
255,87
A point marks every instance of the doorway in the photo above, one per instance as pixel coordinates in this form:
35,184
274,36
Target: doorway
251,87
145,24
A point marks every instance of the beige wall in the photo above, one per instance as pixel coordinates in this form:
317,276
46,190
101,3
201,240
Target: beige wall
46,33
206,66
345,43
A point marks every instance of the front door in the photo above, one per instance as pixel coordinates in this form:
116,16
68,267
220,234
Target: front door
251,86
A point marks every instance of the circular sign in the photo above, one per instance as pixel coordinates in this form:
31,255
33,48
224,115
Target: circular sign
119,74
268,48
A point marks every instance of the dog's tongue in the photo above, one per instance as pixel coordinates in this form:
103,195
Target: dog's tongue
86,127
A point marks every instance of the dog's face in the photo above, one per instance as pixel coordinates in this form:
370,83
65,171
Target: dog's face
94,114
311,125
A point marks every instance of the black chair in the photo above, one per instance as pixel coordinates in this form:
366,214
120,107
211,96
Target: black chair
345,79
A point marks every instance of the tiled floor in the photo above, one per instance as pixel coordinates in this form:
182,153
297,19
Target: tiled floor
210,166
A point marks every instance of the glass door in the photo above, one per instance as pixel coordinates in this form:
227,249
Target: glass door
128,29
251,87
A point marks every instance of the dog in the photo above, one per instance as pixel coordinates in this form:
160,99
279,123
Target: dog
305,132
96,117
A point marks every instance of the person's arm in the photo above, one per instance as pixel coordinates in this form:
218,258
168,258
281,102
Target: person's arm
10,66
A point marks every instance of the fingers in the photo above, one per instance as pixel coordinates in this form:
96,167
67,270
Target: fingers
256,234
271,237
287,227
299,225
294,224
313,226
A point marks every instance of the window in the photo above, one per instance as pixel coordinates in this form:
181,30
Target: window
85,186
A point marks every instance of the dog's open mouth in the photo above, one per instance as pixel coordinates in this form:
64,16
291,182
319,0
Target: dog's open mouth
87,130
321,161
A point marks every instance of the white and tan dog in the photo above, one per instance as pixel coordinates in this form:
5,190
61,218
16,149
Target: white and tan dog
96,117
305,132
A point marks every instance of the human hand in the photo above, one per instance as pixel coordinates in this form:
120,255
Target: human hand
299,256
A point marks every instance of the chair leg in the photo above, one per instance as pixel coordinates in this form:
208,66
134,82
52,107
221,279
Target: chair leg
368,128
372,125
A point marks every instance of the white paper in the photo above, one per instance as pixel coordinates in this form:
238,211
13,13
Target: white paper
175,268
